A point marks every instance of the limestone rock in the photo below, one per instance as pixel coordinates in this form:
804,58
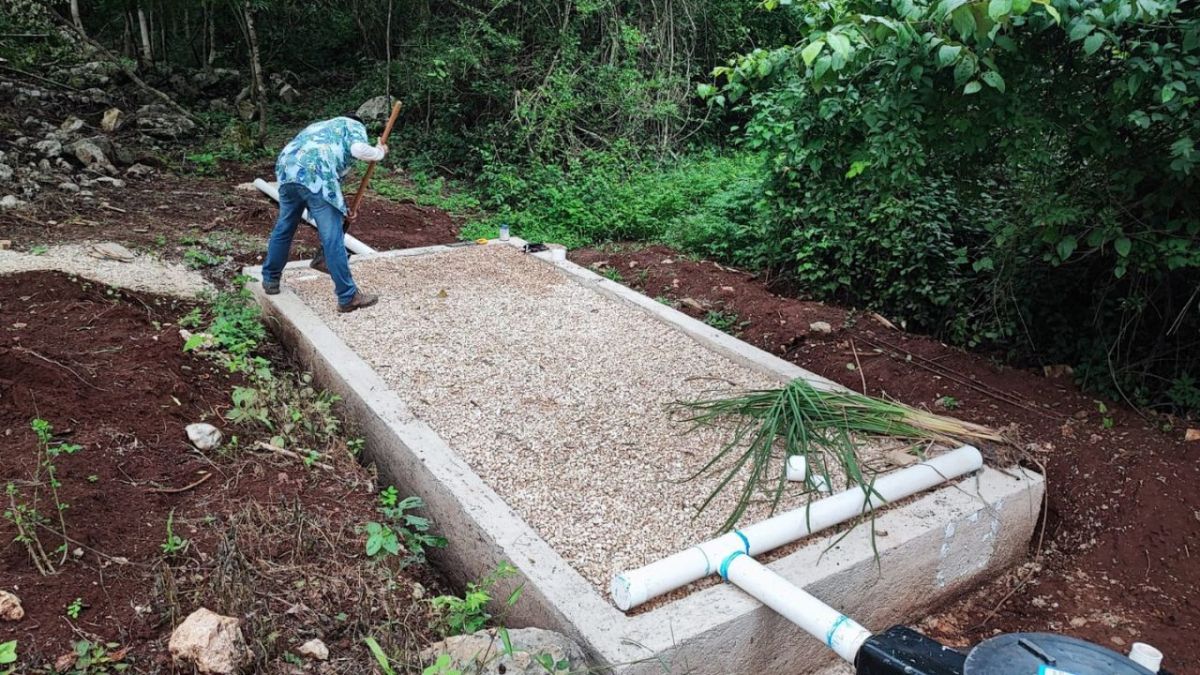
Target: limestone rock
314,649
6,172
111,250
820,327
375,109
216,79
49,147
10,607
113,120
104,180
91,156
10,202
205,437
139,171
71,125
210,642
68,186
483,652
160,121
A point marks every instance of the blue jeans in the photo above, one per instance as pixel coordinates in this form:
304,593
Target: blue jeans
293,199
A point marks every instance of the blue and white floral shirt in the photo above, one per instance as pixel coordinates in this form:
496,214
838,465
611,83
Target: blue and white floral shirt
319,157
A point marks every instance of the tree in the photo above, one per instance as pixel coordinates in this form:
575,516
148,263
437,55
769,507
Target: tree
147,50
75,16
260,94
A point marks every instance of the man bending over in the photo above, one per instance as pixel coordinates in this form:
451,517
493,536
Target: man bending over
310,171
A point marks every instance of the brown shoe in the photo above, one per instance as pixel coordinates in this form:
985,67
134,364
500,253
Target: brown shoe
360,300
318,263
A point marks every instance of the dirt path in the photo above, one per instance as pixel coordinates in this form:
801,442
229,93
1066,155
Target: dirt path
171,215
1122,514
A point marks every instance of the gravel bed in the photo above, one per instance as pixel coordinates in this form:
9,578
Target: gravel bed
143,273
554,394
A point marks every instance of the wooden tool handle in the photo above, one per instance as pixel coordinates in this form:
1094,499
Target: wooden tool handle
362,188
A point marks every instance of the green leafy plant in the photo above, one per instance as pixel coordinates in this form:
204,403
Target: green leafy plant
381,539
400,525
198,258
469,613
727,321
8,653
426,189
547,662
75,608
95,658
39,249
248,407
234,331
821,425
24,503
947,402
612,274
203,163
174,544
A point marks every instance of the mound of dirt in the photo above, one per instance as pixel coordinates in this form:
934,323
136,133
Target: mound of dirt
268,539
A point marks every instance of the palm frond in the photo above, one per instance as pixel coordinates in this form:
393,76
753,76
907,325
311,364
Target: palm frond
823,426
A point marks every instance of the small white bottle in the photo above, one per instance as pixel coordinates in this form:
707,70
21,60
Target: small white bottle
503,231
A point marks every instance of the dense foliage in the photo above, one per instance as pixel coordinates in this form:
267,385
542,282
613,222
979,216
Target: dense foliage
1017,175
1010,173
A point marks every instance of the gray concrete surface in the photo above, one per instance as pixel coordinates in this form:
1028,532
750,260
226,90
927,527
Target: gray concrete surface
930,548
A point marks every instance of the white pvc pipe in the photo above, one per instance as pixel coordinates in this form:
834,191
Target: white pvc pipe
271,190
631,588
1147,656
838,631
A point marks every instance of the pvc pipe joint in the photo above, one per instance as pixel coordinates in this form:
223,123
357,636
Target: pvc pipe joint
634,587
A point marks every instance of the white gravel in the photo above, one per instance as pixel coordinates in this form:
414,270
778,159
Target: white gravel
143,273
553,393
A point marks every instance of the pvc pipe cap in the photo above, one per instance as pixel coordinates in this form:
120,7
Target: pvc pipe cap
797,468
628,591
1145,655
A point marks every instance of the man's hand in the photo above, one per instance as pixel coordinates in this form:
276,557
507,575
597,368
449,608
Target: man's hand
382,148
351,216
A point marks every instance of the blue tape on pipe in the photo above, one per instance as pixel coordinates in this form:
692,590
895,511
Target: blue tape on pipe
724,568
834,629
745,541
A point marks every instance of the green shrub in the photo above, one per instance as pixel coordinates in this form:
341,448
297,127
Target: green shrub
1015,174
705,202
